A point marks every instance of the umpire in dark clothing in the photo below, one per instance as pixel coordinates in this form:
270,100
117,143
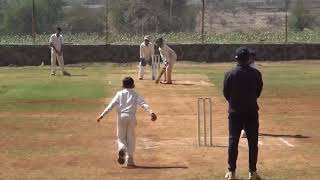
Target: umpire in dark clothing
242,86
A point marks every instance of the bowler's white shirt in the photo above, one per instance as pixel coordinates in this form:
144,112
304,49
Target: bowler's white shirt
167,54
56,41
126,101
146,52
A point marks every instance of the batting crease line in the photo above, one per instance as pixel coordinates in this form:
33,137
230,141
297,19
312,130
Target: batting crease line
286,142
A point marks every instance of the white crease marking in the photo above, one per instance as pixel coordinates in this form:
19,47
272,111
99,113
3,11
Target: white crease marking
286,142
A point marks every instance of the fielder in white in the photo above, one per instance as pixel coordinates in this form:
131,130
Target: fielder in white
126,101
169,57
146,53
56,42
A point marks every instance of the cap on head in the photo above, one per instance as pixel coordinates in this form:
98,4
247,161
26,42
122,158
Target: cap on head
146,38
128,83
242,55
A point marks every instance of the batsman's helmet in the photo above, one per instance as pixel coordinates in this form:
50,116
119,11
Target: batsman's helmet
159,40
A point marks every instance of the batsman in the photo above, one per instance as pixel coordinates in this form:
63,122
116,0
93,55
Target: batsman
169,57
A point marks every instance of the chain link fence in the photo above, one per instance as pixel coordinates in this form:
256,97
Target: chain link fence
177,21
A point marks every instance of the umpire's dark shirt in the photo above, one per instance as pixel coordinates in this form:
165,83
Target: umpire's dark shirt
242,87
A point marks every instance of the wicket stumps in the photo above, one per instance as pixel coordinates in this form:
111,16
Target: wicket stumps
155,66
204,121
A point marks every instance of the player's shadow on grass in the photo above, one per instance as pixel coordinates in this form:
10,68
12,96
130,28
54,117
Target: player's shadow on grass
78,75
159,167
284,135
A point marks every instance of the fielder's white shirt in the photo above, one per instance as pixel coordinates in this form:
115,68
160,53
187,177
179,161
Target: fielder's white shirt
167,54
146,52
126,101
56,41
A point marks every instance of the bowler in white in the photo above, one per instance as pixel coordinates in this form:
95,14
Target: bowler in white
126,101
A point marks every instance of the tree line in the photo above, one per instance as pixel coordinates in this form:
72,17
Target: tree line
138,16
120,16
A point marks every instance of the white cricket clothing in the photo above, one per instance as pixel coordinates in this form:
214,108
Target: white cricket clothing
56,41
141,71
54,57
126,134
146,52
126,101
168,55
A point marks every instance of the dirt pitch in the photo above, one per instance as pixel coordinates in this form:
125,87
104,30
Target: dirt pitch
167,148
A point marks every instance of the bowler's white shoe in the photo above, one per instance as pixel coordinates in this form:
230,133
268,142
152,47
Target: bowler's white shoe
254,176
231,175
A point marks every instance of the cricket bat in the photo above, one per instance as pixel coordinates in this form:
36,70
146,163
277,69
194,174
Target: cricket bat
161,73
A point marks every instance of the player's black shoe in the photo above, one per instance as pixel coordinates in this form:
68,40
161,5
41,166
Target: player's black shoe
121,156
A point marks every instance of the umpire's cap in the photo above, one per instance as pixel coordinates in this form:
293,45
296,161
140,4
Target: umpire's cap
242,54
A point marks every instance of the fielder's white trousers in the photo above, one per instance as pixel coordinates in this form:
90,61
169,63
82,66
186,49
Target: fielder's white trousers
54,58
126,124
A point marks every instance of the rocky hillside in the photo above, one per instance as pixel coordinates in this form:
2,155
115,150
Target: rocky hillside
249,15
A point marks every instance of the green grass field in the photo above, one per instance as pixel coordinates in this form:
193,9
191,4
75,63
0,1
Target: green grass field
48,129
20,86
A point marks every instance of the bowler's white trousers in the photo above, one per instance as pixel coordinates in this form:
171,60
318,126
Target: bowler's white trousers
126,124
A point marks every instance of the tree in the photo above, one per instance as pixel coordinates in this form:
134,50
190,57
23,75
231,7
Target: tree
140,16
300,18
18,15
83,19
3,6
230,6
117,15
183,16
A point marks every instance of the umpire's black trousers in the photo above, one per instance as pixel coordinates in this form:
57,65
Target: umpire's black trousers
250,122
